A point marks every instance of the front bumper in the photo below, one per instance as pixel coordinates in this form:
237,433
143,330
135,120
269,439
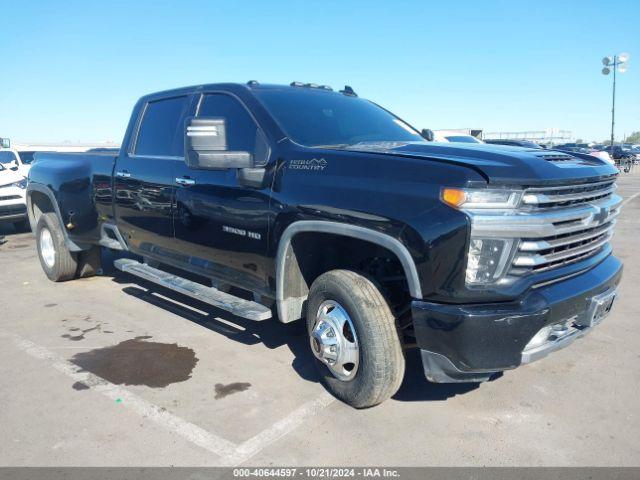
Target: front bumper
13,204
469,343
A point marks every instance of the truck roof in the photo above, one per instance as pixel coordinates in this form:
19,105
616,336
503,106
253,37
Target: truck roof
245,87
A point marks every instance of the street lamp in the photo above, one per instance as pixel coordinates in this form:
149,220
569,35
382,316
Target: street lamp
615,63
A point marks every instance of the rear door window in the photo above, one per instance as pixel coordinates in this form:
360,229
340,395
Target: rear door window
160,132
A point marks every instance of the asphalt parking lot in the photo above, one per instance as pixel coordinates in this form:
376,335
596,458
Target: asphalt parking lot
113,371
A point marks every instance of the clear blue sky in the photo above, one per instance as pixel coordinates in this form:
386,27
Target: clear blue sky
72,70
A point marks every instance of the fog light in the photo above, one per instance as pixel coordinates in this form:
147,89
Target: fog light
540,338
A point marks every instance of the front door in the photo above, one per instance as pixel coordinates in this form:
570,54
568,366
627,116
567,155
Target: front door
221,226
144,180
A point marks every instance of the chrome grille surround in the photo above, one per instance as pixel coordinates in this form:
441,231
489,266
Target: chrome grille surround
553,226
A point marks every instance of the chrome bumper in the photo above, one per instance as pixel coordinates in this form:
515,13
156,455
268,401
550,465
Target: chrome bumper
567,331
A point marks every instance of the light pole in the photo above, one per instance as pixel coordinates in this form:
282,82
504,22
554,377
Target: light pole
615,63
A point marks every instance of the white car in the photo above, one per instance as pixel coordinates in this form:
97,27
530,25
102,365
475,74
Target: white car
603,155
13,204
16,161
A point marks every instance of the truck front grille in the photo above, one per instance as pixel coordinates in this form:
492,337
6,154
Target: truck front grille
551,252
555,226
577,234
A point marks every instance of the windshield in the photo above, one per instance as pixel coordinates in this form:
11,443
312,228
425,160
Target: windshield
320,118
26,157
7,157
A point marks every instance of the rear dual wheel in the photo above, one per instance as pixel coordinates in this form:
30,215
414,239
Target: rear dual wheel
58,263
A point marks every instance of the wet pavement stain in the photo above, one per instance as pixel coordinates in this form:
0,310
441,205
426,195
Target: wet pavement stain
229,389
49,305
80,386
80,336
139,362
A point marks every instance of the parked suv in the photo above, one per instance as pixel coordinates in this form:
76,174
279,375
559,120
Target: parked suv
13,205
512,143
340,215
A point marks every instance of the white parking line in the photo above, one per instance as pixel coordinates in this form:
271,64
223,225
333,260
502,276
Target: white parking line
230,453
630,198
278,430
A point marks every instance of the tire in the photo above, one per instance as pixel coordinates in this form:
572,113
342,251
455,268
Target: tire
58,263
89,262
379,370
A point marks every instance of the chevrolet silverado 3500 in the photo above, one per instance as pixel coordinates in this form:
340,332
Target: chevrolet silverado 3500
324,207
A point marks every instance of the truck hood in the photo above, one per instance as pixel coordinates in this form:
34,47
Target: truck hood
501,164
7,177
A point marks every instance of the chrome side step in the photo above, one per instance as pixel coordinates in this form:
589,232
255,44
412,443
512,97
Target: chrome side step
224,301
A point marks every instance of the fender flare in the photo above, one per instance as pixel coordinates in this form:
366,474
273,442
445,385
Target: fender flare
290,309
37,187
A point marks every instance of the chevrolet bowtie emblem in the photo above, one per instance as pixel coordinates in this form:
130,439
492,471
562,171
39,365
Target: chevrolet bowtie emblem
601,216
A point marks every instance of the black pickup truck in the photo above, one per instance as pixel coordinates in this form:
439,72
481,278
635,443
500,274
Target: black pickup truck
300,202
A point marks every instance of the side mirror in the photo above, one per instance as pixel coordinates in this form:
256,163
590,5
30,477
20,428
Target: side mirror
205,146
427,134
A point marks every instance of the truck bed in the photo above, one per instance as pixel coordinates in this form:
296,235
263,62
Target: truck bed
82,186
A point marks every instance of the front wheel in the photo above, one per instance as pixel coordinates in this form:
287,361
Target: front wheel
354,338
58,263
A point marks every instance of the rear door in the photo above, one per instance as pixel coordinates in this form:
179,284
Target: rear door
144,186
221,225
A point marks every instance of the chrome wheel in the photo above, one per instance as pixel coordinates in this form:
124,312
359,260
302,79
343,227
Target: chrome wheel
334,341
47,250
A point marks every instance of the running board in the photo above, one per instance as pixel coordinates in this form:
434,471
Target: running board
224,301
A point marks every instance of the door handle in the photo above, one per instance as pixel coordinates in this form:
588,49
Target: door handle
185,181
123,174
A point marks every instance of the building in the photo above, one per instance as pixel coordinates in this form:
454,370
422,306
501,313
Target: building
549,136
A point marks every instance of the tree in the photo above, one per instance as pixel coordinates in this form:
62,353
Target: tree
633,138
579,140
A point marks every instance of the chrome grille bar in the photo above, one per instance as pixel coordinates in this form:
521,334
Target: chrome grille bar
562,240
568,194
547,222
535,260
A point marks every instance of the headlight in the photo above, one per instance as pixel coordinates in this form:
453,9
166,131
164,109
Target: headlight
22,184
487,259
470,199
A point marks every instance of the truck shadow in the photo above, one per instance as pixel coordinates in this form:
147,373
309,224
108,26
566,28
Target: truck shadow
274,334
416,388
270,333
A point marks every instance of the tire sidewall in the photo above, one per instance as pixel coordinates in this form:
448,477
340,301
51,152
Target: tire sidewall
43,224
56,272
351,391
